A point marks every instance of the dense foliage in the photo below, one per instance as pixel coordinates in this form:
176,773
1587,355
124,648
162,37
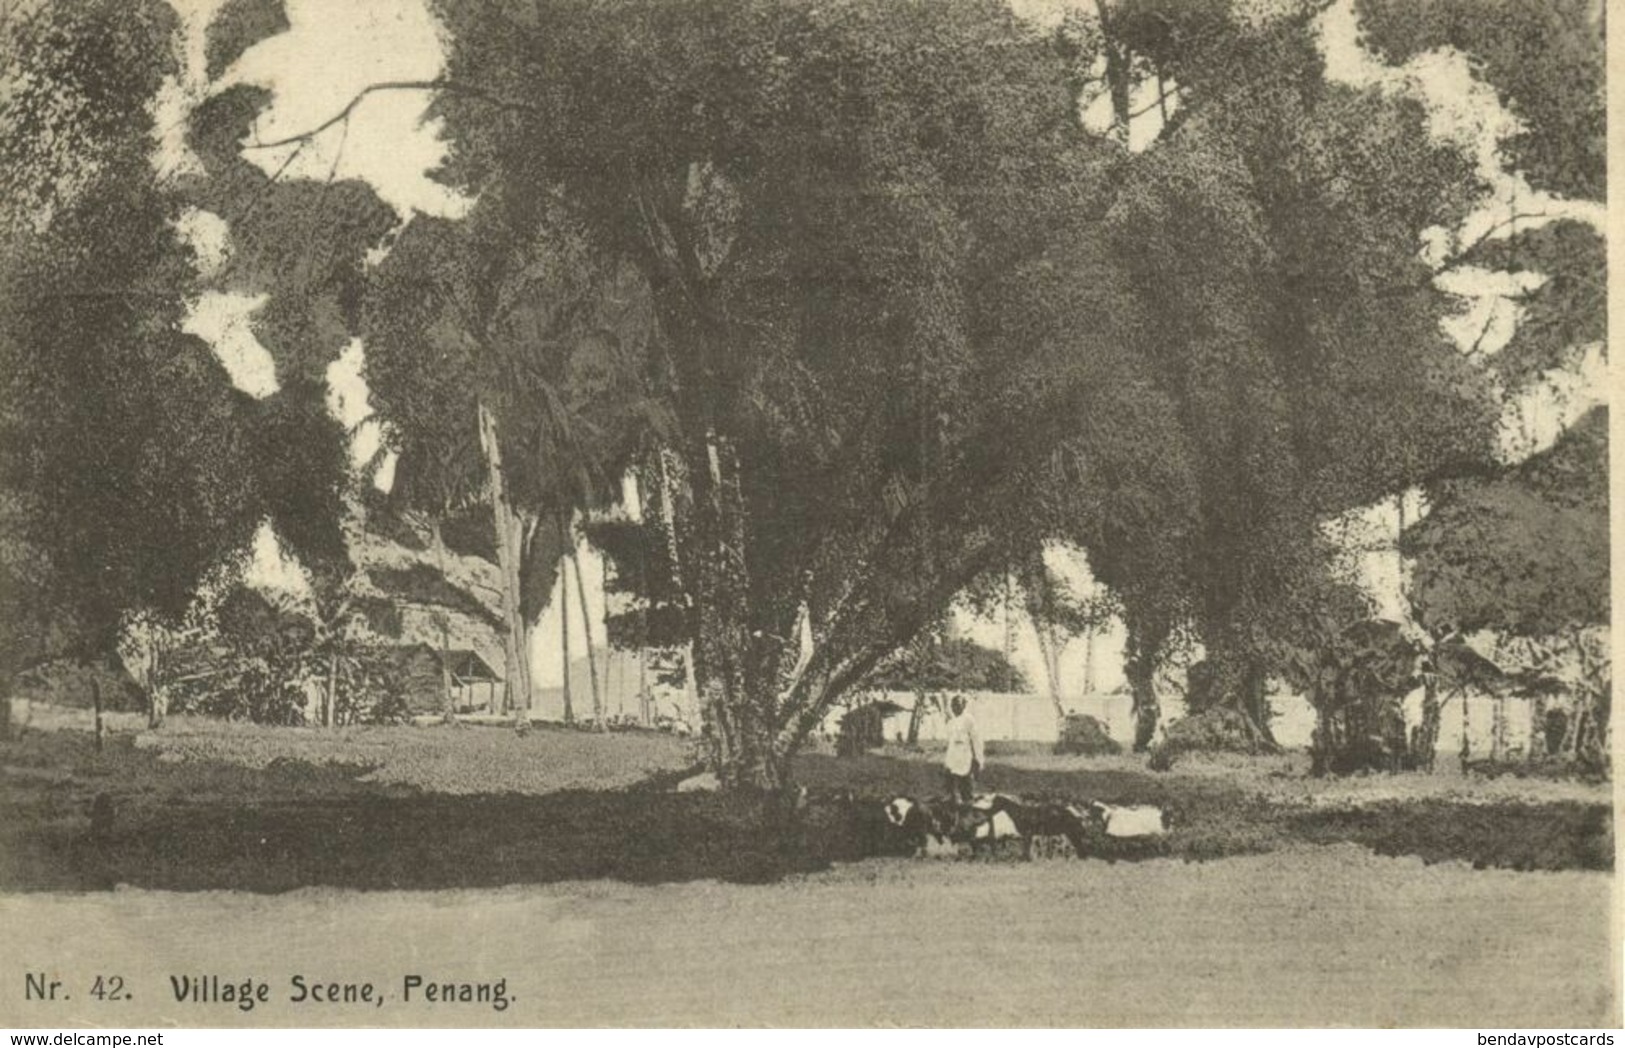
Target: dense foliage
867,311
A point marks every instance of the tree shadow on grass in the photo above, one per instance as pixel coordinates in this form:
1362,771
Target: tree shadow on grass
425,842
124,818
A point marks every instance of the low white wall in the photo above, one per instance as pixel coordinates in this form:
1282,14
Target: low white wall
1031,718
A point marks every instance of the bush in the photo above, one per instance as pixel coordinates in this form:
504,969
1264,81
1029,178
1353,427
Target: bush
862,729
67,683
1218,730
372,687
1084,735
262,689
1560,836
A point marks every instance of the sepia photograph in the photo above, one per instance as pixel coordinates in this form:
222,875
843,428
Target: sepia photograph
805,514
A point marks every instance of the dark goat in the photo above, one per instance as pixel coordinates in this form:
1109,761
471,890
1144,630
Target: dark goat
997,816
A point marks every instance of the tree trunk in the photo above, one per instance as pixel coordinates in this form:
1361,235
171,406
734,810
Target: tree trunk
1119,73
447,702
96,702
1323,740
669,461
1466,745
1427,733
332,689
1009,632
512,531
586,626
1147,710
564,644
691,685
722,595
644,717
1255,701
157,701
1089,662
609,649
758,764
1049,650
1235,680
738,684
1569,748
915,716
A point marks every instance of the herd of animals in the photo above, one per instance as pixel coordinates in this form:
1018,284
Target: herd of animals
853,825
945,829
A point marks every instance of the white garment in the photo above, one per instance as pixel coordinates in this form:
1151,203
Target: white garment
964,744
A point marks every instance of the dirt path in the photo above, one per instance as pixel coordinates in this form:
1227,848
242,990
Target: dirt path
1308,936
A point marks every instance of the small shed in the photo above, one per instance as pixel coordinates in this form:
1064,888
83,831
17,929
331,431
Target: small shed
469,671
474,683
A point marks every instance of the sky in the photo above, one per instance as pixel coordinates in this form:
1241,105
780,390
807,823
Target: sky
333,50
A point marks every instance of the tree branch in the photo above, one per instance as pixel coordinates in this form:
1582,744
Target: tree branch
1160,102
1455,258
446,86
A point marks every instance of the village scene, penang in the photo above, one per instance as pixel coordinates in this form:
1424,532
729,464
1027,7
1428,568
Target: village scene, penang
782,512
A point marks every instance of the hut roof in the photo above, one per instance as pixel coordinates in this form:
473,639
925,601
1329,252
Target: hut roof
467,667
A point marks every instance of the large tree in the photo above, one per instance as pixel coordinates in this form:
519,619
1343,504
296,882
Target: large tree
508,361
865,232
1274,220
133,467
127,455
871,232
912,320
1525,553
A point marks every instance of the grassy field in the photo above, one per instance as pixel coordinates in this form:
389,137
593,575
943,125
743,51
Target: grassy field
564,862
202,805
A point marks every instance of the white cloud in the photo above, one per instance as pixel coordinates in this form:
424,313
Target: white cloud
1461,108
223,320
270,568
209,238
331,52
349,401
1485,326
1046,14
384,480
347,394
179,94
1549,407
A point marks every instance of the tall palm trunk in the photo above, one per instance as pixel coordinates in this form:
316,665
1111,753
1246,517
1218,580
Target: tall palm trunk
445,627
668,521
513,533
1466,743
645,715
564,644
1049,649
736,702
586,626
332,688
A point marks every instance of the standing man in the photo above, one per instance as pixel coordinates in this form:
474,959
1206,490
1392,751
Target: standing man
964,757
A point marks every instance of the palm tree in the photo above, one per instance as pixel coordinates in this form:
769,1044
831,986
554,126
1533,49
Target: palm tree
508,325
